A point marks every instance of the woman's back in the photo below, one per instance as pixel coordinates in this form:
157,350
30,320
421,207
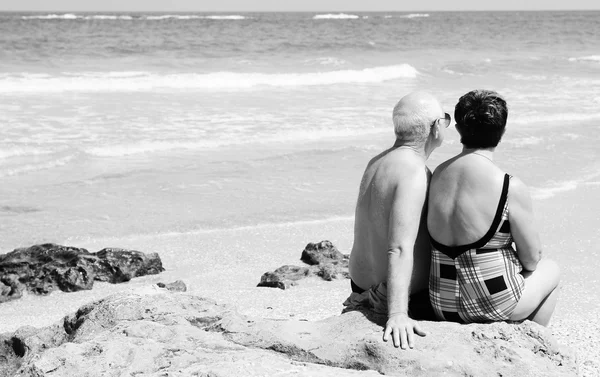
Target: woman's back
463,198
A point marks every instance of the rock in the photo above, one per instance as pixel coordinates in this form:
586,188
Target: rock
166,334
40,269
176,286
284,277
323,260
321,253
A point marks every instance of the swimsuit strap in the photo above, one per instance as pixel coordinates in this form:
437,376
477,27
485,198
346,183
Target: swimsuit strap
454,251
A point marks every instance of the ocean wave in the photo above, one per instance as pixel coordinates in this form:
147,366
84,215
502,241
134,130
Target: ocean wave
10,152
157,147
522,77
338,16
193,17
66,16
145,81
414,15
264,225
554,118
327,60
541,193
232,17
525,141
593,58
36,167
71,16
171,16
107,17
549,192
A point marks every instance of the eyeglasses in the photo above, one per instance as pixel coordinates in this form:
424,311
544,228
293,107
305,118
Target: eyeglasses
445,120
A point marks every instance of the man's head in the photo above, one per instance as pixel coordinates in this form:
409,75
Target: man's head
417,116
480,117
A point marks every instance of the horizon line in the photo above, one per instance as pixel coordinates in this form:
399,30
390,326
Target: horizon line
299,11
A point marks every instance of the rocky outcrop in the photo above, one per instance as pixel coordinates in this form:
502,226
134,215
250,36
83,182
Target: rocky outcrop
159,333
40,269
321,259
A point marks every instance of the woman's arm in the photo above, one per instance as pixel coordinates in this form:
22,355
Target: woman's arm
522,225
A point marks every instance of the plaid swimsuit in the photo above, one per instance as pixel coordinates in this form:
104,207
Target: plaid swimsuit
479,282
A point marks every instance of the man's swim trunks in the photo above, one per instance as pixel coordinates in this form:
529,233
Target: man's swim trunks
375,298
479,282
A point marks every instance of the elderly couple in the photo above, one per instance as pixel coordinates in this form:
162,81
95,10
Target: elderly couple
457,245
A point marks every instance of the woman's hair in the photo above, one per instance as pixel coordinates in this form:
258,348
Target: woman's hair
480,117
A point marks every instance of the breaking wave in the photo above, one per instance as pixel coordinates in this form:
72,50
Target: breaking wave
592,58
339,16
146,81
414,15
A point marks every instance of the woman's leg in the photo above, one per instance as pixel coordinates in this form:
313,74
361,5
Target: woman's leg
540,294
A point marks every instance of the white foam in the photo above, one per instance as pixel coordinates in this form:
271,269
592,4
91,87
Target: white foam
231,17
560,187
554,118
8,152
526,141
108,17
66,16
548,192
37,167
149,147
193,17
339,16
144,81
171,16
594,58
414,15
326,60
522,77
288,224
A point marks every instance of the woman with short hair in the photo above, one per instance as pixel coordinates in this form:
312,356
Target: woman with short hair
475,213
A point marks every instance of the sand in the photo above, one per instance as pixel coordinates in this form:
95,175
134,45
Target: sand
227,264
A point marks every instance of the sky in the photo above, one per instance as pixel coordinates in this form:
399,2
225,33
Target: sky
291,5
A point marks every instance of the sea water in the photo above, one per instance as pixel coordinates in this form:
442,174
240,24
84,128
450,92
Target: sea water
142,124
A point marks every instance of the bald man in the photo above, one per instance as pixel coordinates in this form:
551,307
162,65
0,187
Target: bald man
391,252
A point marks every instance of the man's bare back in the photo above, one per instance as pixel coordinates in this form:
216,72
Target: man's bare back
386,173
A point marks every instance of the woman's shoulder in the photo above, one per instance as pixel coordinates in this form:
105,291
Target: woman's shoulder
518,191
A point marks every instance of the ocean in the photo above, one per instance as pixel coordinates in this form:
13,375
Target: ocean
147,124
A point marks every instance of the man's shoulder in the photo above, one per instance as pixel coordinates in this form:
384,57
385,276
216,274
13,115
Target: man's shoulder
403,164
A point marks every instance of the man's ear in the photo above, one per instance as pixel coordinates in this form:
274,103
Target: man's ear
435,130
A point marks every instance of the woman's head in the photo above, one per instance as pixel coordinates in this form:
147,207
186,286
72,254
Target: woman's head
480,117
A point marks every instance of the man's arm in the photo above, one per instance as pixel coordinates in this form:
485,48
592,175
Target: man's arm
405,218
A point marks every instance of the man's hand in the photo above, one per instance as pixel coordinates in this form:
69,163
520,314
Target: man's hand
402,329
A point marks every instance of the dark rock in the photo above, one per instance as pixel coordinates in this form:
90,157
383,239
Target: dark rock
284,277
41,269
321,253
183,335
176,286
119,265
15,290
323,260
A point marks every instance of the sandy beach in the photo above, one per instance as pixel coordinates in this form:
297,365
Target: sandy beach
204,261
